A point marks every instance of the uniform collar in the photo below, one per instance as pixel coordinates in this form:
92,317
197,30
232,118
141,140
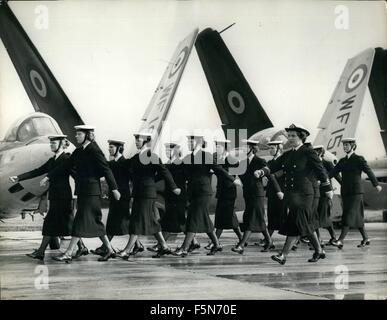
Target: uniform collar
196,150
348,155
118,157
58,154
298,147
84,146
144,149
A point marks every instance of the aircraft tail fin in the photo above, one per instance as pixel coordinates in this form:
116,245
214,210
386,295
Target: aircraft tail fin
40,84
341,117
237,105
378,90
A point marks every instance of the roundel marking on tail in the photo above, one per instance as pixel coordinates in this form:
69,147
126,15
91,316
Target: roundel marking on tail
234,96
38,83
179,61
356,78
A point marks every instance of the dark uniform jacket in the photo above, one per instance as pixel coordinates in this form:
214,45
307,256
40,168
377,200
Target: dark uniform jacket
144,168
275,184
176,169
122,176
59,186
225,188
351,170
299,166
197,169
90,165
253,186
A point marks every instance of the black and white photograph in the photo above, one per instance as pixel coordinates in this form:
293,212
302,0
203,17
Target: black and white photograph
193,150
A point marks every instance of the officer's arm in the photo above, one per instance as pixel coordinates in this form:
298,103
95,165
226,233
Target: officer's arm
66,166
163,172
220,171
333,172
34,173
367,170
103,167
274,181
319,171
262,168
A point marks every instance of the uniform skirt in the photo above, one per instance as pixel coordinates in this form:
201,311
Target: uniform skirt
198,218
117,223
144,219
59,218
276,212
324,212
353,211
173,219
88,219
298,221
254,215
225,217
315,214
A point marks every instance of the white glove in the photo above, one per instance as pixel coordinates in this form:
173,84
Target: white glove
258,173
237,182
379,188
14,179
329,194
280,195
176,191
44,181
116,194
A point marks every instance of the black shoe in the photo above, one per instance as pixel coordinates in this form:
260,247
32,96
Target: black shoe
193,247
364,243
101,251
322,255
268,247
63,258
107,256
36,255
123,255
137,249
237,249
154,248
317,256
81,252
330,242
180,253
338,244
214,250
164,251
279,258
304,240
294,248
209,246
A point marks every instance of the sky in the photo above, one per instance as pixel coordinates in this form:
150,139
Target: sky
109,56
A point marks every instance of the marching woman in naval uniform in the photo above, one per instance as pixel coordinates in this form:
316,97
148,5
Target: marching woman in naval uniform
90,165
226,192
297,168
253,193
117,223
325,204
198,165
351,168
60,216
276,210
144,220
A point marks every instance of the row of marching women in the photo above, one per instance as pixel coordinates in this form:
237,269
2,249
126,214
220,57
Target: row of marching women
298,192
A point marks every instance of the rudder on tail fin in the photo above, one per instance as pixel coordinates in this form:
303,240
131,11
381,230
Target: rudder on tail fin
237,105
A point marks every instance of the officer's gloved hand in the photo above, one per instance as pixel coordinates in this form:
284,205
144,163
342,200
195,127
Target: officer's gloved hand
116,194
14,179
44,181
237,182
379,188
176,191
329,194
280,195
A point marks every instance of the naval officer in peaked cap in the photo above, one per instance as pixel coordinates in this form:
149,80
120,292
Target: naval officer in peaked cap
90,165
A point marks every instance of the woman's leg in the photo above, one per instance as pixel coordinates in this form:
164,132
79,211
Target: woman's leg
245,238
71,247
129,246
290,240
218,232
213,238
106,243
238,232
44,244
363,233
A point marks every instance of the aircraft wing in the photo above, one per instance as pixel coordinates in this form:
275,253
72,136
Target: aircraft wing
40,84
341,117
158,108
237,105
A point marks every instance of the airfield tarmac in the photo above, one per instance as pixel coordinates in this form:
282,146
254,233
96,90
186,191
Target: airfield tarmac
351,273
